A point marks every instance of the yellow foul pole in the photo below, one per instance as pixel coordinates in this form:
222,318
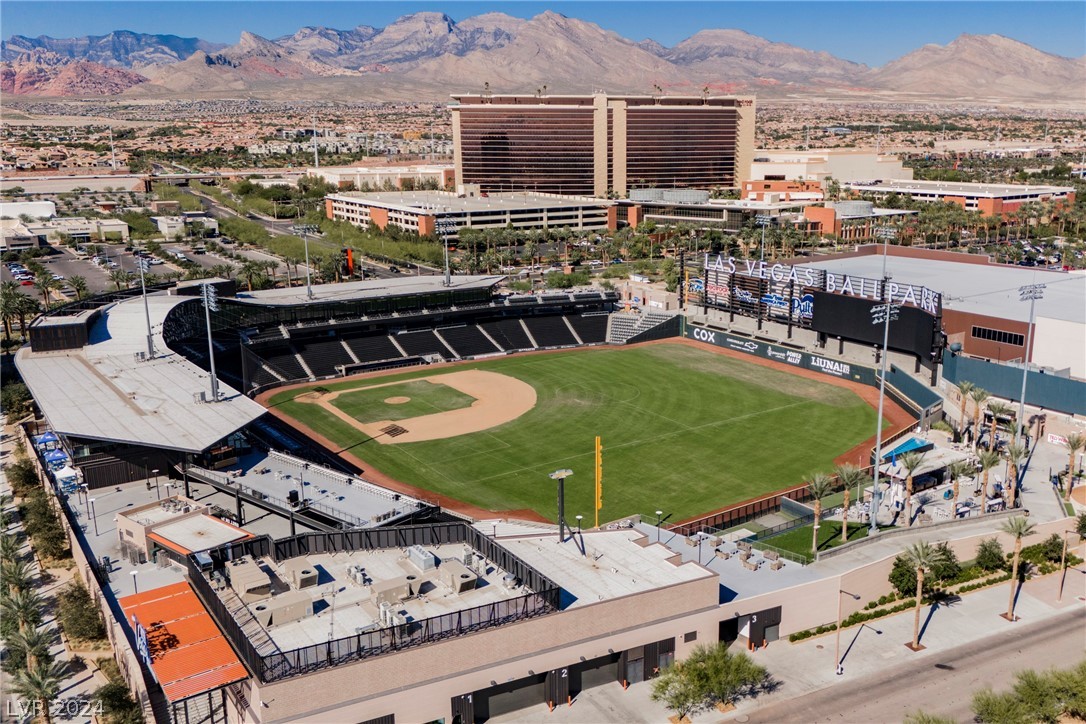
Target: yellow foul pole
599,479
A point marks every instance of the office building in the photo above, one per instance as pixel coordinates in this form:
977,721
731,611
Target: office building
988,199
602,145
821,164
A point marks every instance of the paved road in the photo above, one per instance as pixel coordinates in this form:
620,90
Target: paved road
941,685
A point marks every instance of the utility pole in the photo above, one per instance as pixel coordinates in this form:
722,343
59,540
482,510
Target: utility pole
316,160
112,150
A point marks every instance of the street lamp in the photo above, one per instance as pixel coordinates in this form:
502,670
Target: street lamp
158,495
1032,292
881,313
94,516
135,585
763,220
579,523
560,476
659,519
837,647
1063,564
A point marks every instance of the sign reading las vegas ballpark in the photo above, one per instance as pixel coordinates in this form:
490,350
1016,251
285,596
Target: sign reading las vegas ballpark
781,276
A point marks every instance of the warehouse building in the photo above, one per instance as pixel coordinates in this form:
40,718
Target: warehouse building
438,176
602,145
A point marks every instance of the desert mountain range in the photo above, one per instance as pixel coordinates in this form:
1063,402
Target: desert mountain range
426,56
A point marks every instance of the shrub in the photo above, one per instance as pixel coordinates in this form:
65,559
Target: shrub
990,555
1052,548
78,615
1080,525
118,706
15,400
903,577
948,567
23,477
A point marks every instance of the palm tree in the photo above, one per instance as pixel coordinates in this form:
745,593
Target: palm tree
25,307
849,475
955,470
250,270
819,487
910,461
34,644
79,286
1018,527
964,388
16,574
24,607
997,410
223,271
1016,455
1075,443
45,286
979,396
922,556
120,278
988,460
41,684
9,304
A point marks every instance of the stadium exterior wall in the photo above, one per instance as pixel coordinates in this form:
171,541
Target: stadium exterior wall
1063,394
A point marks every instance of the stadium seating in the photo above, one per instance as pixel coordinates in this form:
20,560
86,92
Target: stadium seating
323,356
467,341
284,361
625,325
508,333
422,342
591,328
373,348
550,331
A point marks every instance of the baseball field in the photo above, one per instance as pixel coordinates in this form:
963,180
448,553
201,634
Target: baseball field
684,430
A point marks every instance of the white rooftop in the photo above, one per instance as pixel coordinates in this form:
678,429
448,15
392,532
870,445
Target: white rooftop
961,189
100,392
613,564
989,289
199,533
367,289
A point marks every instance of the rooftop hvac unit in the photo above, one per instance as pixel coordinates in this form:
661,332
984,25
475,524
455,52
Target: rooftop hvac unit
301,573
509,581
423,559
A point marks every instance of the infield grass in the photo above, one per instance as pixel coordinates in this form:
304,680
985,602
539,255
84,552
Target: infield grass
424,398
684,430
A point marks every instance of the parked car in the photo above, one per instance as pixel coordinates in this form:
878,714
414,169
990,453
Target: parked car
27,282
58,278
394,269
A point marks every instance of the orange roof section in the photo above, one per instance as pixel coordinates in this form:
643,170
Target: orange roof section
189,655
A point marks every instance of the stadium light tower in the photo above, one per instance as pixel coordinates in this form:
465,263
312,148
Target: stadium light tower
308,279
560,476
443,227
881,313
146,311
763,220
1032,292
211,304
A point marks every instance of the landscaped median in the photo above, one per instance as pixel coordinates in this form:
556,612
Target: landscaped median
952,579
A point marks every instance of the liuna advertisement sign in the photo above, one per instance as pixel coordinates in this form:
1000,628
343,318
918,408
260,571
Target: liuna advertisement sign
797,358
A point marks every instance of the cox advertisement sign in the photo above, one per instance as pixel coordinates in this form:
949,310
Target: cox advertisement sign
794,357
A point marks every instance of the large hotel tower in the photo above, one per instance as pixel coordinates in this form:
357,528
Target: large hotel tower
600,144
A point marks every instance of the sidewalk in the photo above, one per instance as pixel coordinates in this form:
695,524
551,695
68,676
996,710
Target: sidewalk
869,648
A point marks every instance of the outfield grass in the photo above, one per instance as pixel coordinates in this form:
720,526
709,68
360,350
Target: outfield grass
798,540
684,430
425,398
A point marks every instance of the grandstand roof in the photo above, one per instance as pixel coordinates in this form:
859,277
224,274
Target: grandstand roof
101,392
368,288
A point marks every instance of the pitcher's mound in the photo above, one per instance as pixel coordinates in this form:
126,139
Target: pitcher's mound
396,400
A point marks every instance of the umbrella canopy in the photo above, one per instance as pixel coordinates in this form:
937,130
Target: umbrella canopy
55,456
66,473
46,437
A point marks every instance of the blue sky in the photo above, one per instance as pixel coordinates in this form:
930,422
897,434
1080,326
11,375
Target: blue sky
871,32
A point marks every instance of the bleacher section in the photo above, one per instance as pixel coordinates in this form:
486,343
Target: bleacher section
421,343
550,331
322,356
284,361
508,333
373,348
625,326
467,341
591,328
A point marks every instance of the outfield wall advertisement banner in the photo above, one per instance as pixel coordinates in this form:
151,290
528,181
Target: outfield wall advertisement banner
825,365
